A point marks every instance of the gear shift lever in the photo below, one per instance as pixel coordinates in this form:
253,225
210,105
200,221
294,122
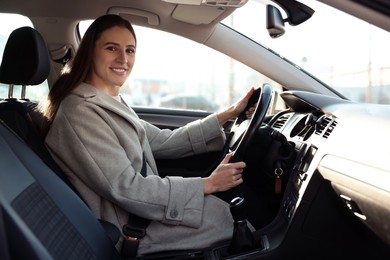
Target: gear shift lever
242,239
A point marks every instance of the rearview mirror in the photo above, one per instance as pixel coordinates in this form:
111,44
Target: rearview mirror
275,22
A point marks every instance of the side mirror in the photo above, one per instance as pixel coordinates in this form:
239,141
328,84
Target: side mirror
275,22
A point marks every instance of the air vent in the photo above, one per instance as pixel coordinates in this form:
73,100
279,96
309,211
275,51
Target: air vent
330,129
281,121
325,126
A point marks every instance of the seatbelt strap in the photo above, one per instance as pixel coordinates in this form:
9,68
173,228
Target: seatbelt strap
135,229
143,169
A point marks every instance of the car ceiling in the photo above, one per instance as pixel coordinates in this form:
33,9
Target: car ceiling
90,9
166,15
169,12
64,15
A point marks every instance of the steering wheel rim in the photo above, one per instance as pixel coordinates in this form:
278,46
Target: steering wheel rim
254,123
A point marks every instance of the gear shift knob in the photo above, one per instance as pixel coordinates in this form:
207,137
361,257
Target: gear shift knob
242,239
237,209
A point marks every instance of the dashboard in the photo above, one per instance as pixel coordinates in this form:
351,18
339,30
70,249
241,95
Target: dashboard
338,196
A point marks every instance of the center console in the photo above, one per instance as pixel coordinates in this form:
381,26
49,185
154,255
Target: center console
272,236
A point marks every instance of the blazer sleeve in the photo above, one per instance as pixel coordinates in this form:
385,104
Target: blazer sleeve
84,143
200,136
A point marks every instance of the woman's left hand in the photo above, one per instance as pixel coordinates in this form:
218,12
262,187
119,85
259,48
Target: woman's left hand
237,108
241,104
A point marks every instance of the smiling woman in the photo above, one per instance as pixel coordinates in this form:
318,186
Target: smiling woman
312,175
116,151
112,60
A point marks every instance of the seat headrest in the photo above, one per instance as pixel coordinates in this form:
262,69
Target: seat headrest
26,58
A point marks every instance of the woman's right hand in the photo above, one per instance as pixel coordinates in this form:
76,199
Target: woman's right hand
225,176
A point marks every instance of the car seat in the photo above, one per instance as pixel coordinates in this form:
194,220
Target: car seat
42,217
26,62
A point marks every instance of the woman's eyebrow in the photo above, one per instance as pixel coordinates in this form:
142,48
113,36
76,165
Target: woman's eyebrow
117,44
113,43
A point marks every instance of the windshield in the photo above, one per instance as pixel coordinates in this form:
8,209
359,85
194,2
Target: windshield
346,53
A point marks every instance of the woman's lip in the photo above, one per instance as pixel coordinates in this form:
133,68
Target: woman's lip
119,70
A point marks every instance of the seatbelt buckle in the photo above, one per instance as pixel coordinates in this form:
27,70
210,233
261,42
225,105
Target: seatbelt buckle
131,236
133,232
129,247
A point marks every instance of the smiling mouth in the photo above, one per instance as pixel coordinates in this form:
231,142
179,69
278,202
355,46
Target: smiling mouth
119,70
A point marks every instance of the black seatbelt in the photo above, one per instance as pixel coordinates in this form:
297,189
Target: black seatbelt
143,169
135,229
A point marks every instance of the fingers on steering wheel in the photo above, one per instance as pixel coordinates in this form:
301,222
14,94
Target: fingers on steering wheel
263,97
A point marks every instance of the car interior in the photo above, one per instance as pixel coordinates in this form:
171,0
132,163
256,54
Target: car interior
324,174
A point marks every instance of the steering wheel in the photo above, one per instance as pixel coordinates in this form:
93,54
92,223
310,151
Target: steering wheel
243,128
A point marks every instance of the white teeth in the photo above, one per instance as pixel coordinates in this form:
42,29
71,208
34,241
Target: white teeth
118,70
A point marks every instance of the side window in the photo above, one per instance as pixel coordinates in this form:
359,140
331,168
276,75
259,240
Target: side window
10,22
174,72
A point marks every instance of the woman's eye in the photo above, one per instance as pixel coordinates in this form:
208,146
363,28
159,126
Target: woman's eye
111,48
130,51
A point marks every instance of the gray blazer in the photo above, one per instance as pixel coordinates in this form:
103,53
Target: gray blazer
99,143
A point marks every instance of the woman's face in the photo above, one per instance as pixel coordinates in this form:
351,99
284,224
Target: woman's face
113,60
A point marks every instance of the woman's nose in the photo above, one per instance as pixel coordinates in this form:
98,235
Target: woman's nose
122,57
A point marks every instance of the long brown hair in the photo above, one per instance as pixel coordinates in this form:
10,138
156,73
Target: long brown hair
77,70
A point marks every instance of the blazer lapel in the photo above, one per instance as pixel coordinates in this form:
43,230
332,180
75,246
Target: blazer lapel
101,99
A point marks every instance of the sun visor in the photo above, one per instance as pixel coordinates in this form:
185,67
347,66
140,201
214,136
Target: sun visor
196,14
136,16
